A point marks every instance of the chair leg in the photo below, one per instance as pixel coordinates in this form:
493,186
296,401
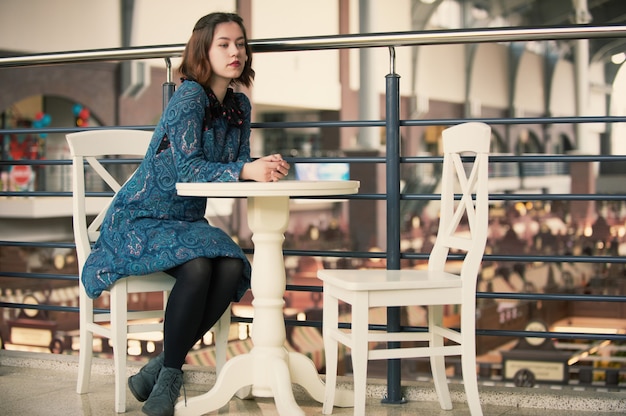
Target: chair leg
360,318
330,325
222,329
85,356
85,353
437,363
468,363
468,366
119,329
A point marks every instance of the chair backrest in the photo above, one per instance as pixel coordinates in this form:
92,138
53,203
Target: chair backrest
463,222
88,146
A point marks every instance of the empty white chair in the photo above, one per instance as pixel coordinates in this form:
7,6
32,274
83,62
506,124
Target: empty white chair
462,229
84,147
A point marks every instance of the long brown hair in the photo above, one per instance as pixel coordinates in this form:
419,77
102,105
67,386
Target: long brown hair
195,63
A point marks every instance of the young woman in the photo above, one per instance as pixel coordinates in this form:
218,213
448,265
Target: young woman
202,136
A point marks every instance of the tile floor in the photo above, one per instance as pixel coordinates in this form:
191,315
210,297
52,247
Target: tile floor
28,387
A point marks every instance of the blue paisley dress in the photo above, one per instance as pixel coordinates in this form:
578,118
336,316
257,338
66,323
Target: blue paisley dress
150,228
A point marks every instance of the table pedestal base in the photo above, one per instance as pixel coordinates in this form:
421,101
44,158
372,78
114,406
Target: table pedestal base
271,379
268,370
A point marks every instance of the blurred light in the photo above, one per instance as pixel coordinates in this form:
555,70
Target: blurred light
375,250
242,331
618,58
134,347
479,13
587,330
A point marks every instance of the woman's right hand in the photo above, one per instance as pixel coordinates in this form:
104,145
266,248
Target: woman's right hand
269,168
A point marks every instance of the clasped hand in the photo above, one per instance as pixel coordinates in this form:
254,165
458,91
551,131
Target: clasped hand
269,168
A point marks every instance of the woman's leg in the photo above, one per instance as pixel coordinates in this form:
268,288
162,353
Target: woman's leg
202,292
227,273
184,310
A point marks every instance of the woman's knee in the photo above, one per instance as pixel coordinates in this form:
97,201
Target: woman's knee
229,266
198,269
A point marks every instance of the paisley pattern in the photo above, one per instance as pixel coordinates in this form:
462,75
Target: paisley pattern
149,227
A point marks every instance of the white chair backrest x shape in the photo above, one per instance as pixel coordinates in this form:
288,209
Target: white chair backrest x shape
471,210
89,146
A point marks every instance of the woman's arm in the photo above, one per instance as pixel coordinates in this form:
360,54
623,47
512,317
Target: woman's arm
184,124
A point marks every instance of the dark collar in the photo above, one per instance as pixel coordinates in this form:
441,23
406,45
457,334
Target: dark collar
229,109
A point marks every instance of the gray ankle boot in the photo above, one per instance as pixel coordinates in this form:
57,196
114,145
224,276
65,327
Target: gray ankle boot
141,383
165,393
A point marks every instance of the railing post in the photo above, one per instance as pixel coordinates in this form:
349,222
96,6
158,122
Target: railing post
392,135
168,85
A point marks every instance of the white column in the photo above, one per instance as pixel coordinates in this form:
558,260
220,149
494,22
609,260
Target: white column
368,137
587,144
583,212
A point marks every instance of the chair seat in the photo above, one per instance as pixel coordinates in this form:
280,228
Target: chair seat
372,280
155,283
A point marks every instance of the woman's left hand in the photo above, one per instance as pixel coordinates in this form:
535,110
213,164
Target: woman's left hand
269,168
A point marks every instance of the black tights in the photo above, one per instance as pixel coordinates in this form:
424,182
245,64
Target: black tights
203,290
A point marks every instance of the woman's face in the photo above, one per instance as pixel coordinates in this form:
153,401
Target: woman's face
227,54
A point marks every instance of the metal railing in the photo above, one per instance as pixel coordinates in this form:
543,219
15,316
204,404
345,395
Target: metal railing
503,165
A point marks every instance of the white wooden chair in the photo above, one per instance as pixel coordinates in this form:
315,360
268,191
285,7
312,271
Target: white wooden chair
119,322
433,288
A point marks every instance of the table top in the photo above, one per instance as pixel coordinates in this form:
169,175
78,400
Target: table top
280,188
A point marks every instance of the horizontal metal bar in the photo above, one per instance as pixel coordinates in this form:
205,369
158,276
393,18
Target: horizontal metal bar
24,194
438,37
495,158
403,197
39,307
40,276
94,55
561,335
309,43
305,288
312,324
334,253
328,124
523,258
556,158
520,120
526,158
352,123
65,130
40,244
525,197
550,296
555,259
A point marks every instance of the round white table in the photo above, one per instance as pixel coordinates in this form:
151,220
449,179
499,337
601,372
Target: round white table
269,369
